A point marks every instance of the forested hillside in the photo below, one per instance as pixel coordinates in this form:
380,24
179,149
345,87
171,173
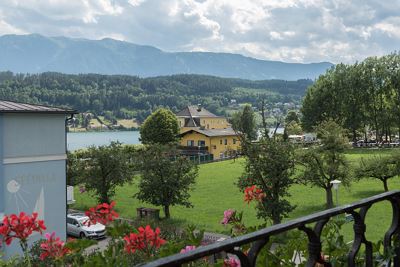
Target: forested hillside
122,96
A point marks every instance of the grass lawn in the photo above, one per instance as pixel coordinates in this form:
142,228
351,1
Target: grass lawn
216,191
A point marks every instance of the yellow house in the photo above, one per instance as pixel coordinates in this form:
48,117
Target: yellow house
198,117
203,132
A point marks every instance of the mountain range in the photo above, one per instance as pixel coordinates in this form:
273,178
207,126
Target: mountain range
35,53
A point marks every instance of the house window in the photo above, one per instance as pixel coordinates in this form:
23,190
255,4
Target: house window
214,147
234,141
190,143
226,141
201,143
220,142
208,126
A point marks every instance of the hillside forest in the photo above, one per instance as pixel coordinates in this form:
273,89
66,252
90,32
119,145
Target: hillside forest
114,97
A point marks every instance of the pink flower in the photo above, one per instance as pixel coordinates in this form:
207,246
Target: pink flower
187,249
82,189
231,262
228,214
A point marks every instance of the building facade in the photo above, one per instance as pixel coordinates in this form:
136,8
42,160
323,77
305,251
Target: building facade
204,132
33,165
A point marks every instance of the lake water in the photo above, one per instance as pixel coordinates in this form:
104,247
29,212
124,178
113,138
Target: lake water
85,139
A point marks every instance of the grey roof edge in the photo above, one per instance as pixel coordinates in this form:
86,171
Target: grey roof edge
221,132
34,108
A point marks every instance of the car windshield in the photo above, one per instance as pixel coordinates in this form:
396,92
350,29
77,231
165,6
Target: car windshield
83,220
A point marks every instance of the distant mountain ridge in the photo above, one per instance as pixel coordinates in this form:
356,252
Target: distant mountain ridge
35,53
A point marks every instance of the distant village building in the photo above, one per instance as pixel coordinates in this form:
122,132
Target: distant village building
204,132
33,165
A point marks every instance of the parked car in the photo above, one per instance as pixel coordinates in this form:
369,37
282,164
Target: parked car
77,226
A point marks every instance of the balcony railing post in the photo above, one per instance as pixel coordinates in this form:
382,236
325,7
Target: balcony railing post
359,238
393,234
314,243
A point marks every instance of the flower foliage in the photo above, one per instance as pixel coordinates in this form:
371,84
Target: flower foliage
146,240
20,227
53,247
253,193
102,213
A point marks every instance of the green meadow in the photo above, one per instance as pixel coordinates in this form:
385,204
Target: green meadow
216,191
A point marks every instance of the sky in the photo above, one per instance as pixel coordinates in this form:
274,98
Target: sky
285,30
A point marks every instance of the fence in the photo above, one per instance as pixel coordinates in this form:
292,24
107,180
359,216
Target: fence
260,238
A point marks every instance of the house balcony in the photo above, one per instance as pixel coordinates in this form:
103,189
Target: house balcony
193,150
312,225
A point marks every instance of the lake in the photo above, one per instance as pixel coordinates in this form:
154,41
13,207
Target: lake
85,139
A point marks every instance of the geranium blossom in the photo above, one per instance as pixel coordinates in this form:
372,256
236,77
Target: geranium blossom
253,193
146,240
53,247
20,227
187,249
102,213
228,214
231,262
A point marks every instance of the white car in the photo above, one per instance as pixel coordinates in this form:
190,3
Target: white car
77,226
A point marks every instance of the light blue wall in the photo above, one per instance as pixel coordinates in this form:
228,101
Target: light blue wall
34,170
1,166
36,184
33,134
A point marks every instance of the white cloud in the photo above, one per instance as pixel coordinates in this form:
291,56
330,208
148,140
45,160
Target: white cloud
288,30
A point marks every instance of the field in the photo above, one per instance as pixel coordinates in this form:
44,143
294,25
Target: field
216,191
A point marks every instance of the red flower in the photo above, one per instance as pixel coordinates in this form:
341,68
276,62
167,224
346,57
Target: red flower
146,240
53,247
253,193
20,227
102,213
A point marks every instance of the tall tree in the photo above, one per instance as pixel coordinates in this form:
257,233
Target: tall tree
244,123
166,178
269,166
101,169
161,127
320,165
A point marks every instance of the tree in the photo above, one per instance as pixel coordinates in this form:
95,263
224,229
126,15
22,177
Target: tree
293,128
379,167
292,116
161,127
166,179
101,169
269,166
244,123
320,165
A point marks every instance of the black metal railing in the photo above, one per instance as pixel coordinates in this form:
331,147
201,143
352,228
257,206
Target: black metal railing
260,238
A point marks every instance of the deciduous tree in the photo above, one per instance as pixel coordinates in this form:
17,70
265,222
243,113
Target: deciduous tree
269,166
379,167
161,127
167,178
320,165
101,169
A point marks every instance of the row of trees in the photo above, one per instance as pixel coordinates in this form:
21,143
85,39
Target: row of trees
361,97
